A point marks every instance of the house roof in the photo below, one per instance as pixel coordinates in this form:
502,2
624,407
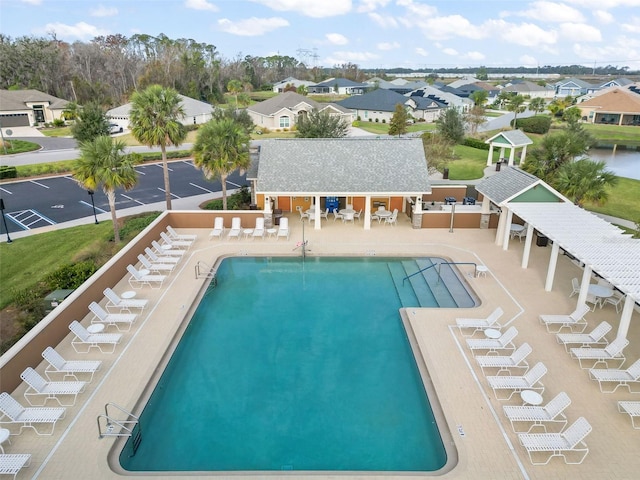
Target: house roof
617,100
192,108
576,81
515,138
330,166
286,100
620,82
525,87
11,100
380,99
341,82
293,81
507,184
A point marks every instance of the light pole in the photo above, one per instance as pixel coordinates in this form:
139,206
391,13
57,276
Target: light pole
4,220
93,205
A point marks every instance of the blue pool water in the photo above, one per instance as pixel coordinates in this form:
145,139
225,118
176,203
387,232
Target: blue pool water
292,366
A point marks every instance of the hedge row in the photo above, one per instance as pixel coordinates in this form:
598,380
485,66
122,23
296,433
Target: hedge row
8,172
538,124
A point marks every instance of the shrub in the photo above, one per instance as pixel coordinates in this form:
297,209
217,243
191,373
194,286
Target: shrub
475,143
384,120
538,124
58,122
377,120
238,201
358,118
70,276
371,119
8,172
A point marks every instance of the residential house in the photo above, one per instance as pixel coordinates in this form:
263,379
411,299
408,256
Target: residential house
23,108
572,87
282,111
617,107
399,85
463,105
340,86
614,82
530,89
280,86
196,112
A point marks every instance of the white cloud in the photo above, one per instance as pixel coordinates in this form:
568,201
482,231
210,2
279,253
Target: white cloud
103,11
419,10
580,32
386,46
371,5
80,30
549,12
450,51
633,27
525,34
605,4
383,21
603,17
338,58
252,27
310,8
528,61
624,48
337,39
32,2
421,51
474,56
200,5
451,26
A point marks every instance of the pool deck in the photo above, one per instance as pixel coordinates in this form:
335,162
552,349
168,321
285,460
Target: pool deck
487,448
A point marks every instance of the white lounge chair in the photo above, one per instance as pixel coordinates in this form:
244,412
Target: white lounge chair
616,376
115,319
155,267
480,324
161,258
38,387
258,231
503,363
180,236
613,351
124,304
137,279
283,228
574,319
90,340
12,463
68,368
595,337
632,409
13,413
558,444
504,342
177,244
166,250
236,228
218,228
516,384
538,416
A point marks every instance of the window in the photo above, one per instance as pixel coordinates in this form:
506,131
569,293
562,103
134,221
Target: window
284,122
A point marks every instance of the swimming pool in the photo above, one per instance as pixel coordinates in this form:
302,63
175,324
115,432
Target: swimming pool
299,366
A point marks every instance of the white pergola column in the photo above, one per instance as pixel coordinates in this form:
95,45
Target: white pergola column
551,271
367,212
507,230
524,154
584,286
625,318
316,213
486,205
527,246
512,156
501,154
502,220
490,157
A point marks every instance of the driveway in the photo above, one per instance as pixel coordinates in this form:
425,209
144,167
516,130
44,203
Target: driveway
49,143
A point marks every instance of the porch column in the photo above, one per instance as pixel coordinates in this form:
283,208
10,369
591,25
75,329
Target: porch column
527,246
416,217
524,154
551,271
490,156
507,230
485,216
502,220
316,213
267,212
512,155
625,318
584,286
501,154
367,212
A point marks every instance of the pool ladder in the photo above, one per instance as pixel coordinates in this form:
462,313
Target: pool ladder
129,427
203,270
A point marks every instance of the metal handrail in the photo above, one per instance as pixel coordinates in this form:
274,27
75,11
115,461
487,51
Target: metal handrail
123,424
209,273
475,266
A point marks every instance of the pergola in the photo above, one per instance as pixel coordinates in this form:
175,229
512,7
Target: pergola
511,139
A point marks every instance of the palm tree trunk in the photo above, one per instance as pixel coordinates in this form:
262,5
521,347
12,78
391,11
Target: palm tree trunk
223,181
111,196
165,171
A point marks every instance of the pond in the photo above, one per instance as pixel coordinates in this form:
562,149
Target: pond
623,162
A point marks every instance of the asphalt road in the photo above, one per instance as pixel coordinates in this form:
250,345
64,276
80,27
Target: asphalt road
41,202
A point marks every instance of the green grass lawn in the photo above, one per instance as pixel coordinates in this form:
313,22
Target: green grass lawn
57,132
614,133
18,146
383,128
470,163
624,201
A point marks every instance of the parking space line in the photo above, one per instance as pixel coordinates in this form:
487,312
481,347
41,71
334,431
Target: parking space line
172,194
6,191
234,184
132,199
26,218
201,188
160,165
188,163
39,184
82,202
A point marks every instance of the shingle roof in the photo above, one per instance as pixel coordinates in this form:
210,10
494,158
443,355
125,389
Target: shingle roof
16,99
618,100
192,108
284,100
504,185
516,138
380,99
329,166
341,82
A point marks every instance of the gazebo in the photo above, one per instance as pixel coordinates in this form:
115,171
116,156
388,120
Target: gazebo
512,139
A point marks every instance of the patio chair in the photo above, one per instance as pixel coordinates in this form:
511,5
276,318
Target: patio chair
375,217
558,444
336,215
504,363
613,351
616,300
325,214
177,244
529,381
161,258
283,228
595,337
161,251
90,340
12,463
116,319
574,319
218,228
68,368
41,388
480,324
538,416
593,301
504,342
632,409
124,304
617,377
357,215
14,413
137,279
393,219
303,215
258,231
236,228
155,267
180,236
575,285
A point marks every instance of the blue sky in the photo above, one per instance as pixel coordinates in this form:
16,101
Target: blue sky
370,33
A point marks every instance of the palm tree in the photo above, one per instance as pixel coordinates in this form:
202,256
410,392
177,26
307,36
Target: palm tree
479,97
516,105
538,105
155,120
103,162
234,87
585,181
221,147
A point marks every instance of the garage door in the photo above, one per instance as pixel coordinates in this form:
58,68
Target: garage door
15,120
